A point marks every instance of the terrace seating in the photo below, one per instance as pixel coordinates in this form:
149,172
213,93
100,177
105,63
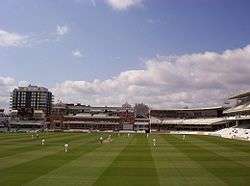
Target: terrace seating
238,108
199,121
234,133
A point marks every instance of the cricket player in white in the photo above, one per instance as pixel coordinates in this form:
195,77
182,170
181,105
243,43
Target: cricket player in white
154,142
43,141
183,136
128,135
32,136
66,147
101,139
147,135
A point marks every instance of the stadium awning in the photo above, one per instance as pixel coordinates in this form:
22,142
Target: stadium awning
242,95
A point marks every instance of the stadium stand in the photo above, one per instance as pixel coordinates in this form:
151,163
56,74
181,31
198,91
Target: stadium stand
82,117
238,109
4,121
234,133
198,119
26,125
240,112
87,121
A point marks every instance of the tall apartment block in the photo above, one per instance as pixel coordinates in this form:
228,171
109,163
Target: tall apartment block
28,99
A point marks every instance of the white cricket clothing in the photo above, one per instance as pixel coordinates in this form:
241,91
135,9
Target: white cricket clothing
43,141
154,142
66,147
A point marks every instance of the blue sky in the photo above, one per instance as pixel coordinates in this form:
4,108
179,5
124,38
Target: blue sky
83,40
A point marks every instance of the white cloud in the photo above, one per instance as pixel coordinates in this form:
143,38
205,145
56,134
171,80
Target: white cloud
77,53
123,4
48,37
199,79
62,30
7,84
9,39
23,83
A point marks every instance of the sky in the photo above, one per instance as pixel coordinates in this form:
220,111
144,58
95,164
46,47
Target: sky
165,53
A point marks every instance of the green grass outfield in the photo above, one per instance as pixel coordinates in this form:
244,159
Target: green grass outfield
197,160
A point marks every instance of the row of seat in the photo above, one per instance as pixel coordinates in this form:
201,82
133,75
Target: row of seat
234,133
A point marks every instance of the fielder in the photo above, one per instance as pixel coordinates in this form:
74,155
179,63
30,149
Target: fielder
66,147
183,137
43,141
154,142
101,139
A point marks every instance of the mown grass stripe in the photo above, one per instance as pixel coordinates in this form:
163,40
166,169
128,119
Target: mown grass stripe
126,161
236,145
175,168
85,169
6,136
49,148
31,170
36,144
139,171
28,138
206,158
240,158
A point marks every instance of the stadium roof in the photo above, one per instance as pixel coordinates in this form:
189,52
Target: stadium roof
242,95
239,108
87,115
91,122
31,88
94,108
191,109
201,121
29,122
